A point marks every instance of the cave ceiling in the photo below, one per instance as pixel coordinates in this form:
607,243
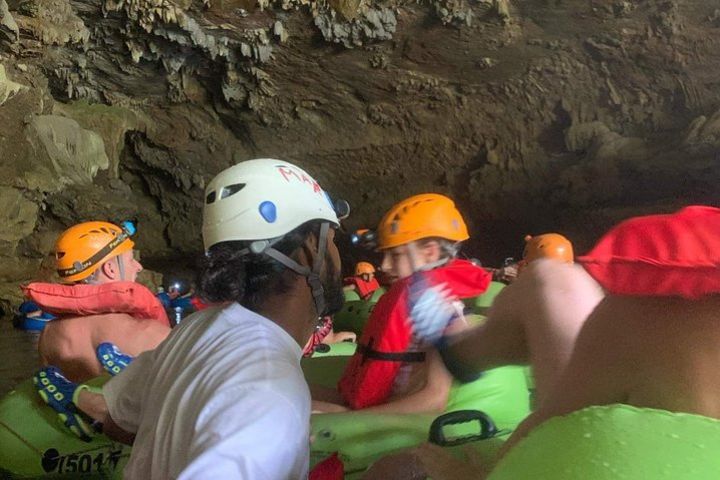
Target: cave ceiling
534,115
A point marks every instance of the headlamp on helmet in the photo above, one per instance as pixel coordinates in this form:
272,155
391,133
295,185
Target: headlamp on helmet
364,238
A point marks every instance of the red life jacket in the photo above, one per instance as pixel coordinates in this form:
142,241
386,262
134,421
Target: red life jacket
331,468
83,299
382,349
364,289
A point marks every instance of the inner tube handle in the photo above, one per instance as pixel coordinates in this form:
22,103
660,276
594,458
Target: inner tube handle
437,435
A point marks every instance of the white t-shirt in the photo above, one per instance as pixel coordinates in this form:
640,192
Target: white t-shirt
223,397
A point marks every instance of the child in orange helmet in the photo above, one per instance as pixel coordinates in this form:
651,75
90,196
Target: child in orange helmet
363,282
393,372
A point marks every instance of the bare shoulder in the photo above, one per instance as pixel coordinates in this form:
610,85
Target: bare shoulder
550,272
563,289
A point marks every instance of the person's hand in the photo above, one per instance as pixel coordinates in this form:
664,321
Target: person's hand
439,464
112,359
400,466
59,393
508,273
431,310
337,337
318,406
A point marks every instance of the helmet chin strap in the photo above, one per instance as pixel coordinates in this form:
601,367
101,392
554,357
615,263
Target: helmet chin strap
313,275
121,268
413,254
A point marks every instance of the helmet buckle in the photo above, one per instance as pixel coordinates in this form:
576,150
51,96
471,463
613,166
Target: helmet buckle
259,246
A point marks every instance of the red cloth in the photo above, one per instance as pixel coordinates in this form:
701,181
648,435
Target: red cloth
363,288
198,304
367,382
82,299
660,255
318,336
331,468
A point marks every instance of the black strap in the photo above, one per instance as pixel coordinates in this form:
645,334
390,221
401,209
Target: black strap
102,253
313,275
370,353
456,369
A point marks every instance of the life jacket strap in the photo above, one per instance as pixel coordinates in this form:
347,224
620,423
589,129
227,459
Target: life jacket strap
369,353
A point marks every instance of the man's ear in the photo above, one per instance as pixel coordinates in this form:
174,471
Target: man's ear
109,269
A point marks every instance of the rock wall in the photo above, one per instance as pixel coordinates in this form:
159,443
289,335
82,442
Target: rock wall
535,115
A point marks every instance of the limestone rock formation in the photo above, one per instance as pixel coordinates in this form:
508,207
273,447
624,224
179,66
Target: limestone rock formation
535,115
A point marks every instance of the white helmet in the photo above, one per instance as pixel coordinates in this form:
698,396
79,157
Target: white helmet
262,199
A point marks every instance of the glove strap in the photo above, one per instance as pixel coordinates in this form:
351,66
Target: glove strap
456,368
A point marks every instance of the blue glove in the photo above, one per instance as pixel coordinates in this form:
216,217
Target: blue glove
431,308
112,360
60,393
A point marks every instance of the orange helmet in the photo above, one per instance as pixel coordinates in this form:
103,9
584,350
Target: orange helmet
549,245
364,267
421,216
82,249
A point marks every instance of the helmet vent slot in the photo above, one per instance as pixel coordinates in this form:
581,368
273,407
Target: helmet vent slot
211,197
231,190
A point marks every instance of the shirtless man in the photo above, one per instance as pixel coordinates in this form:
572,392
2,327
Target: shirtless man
392,372
653,342
97,253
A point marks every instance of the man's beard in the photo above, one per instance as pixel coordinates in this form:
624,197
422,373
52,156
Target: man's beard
333,288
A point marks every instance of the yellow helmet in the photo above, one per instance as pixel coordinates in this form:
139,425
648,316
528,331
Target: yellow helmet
364,267
421,216
81,249
549,245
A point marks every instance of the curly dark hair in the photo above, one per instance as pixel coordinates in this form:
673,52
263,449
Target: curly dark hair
227,275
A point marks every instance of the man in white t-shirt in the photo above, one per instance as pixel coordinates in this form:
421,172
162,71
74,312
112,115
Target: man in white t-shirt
224,396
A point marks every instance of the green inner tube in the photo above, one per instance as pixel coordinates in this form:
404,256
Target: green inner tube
616,441
355,312
362,438
34,443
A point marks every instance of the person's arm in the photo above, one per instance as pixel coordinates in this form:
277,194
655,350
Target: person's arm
94,405
598,374
120,404
337,337
497,342
322,406
431,398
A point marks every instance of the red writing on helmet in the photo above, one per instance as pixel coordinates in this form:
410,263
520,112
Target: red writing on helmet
291,174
